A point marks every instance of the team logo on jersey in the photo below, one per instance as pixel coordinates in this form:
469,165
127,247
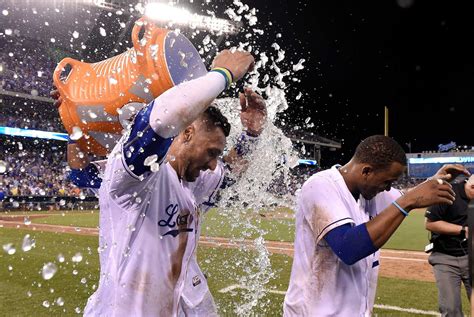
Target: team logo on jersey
178,222
196,280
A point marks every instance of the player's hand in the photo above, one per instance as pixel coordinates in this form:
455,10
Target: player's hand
238,62
450,171
428,193
254,111
56,96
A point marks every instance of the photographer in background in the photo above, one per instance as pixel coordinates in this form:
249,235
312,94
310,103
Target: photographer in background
449,235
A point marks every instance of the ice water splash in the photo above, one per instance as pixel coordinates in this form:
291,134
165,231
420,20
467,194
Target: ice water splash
242,202
59,301
9,248
27,221
28,243
48,271
76,133
3,167
77,257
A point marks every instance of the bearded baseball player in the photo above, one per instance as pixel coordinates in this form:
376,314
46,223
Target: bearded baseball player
157,182
344,216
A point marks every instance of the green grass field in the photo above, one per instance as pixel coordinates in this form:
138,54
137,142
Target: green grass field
410,236
23,291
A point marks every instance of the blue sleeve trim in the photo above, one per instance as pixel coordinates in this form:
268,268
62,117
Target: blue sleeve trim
86,177
144,142
350,244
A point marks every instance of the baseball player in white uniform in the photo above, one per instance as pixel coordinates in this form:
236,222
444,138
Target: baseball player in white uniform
344,216
155,183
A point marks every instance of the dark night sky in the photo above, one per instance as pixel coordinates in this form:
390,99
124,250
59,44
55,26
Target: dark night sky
363,55
409,55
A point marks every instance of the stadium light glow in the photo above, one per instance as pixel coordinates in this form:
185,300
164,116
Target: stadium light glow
441,160
161,12
34,133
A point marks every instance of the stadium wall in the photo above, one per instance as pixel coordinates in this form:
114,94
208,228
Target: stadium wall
424,165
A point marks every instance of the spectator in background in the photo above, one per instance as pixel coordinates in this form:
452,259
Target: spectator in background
449,233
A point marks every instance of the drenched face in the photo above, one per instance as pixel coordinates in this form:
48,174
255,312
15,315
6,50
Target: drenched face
203,149
375,181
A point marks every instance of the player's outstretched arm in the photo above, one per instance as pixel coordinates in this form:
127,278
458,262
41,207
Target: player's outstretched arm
178,107
353,243
170,113
428,193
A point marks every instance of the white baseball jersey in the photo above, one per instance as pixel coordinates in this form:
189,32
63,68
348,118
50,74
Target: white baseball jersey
320,283
149,229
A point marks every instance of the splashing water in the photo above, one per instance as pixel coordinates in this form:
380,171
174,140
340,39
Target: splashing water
48,271
60,258
3,167
77,257
28,243
59,301
76,133
27,221
9,248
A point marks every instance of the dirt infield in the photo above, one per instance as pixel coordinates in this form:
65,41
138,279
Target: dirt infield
409,265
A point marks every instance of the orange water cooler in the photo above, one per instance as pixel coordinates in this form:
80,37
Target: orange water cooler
98,96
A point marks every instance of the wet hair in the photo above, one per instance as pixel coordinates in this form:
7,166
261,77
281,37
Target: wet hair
213,117
380,151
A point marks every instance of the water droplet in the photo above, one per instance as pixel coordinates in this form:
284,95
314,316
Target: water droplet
150,160
113,81
92,114
75,34
206,40
154,51
182,61
74,272
102,32
53,40
77,257
9,248
138,200
155,167
27,221
28,243
3,167
10,268
172,158
62,202
49,269
299,66
46,304
15,204
59,301
83,280
5,12
29,294
76,133
172,41
60,258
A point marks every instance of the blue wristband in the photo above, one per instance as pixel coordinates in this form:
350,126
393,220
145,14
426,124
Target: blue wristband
403,211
